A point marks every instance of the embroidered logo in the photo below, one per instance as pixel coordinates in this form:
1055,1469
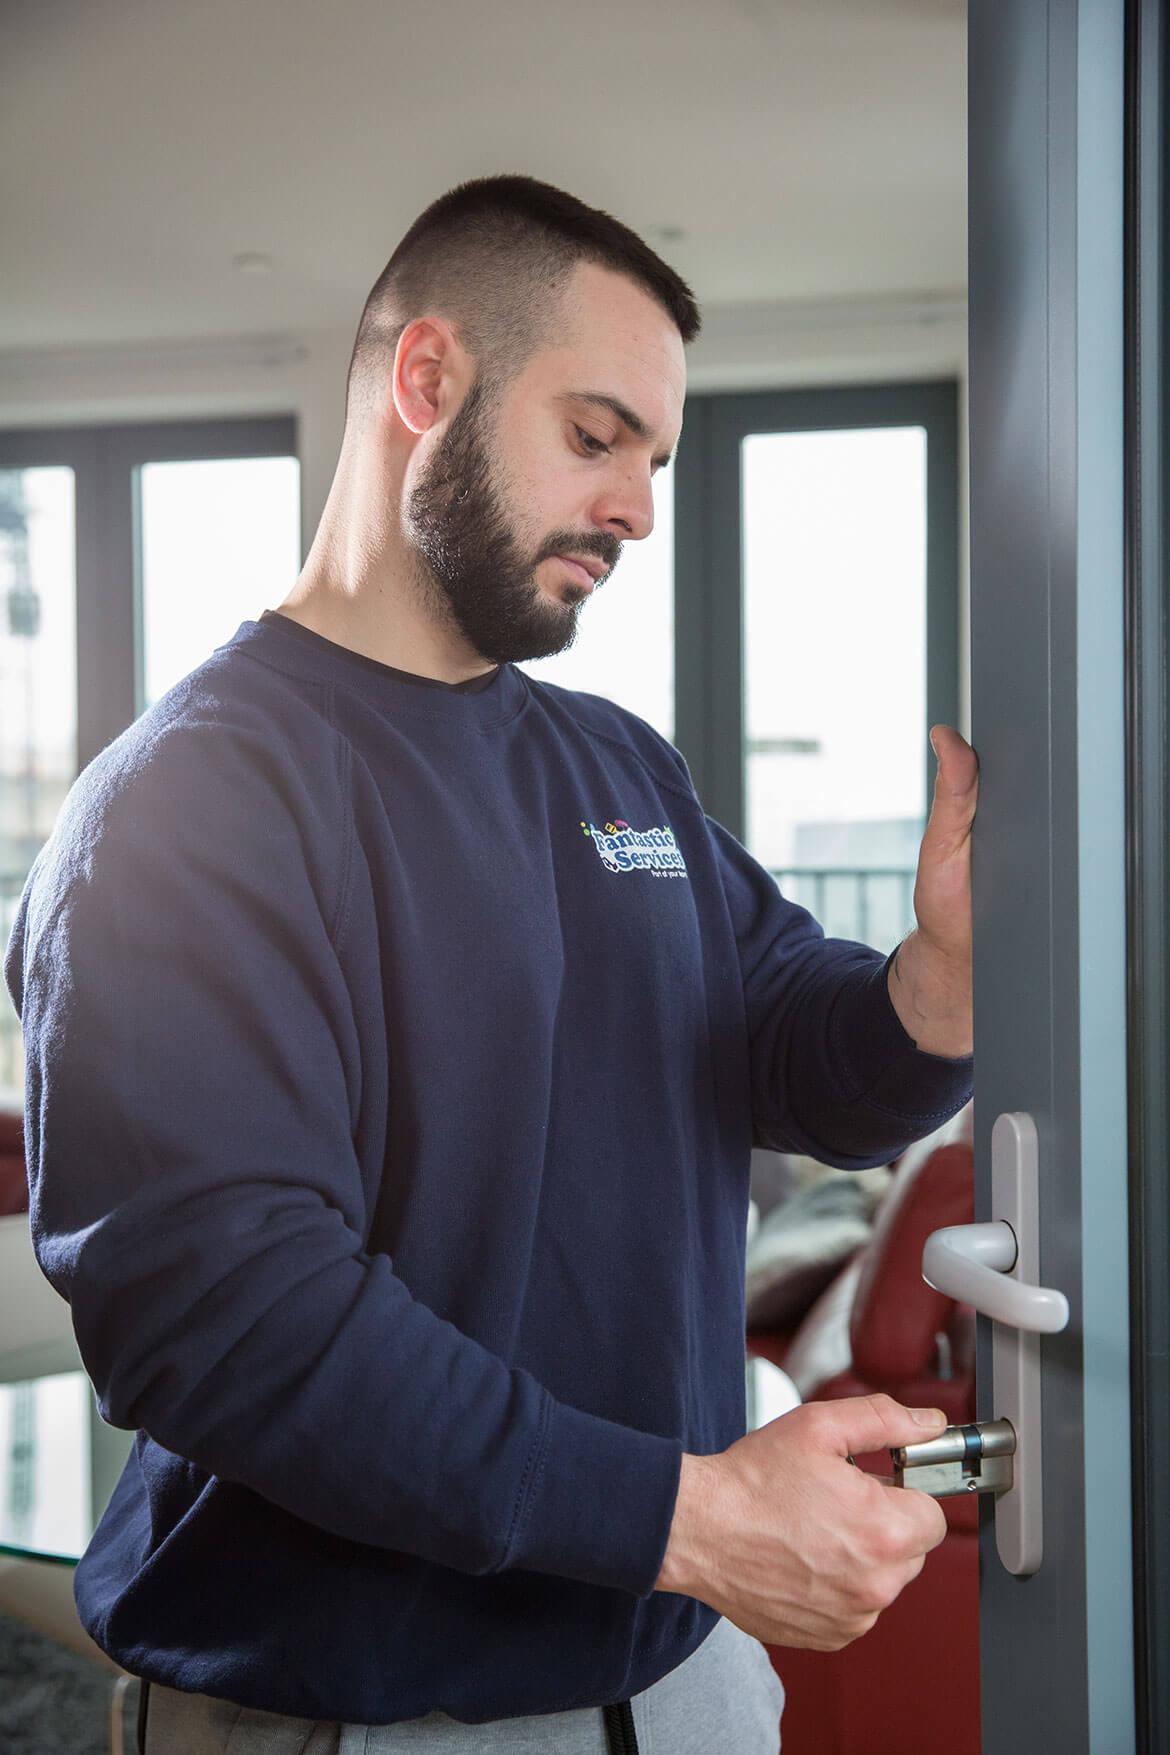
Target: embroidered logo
621,848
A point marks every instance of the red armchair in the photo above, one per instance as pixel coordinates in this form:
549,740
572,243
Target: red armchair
913,1680
13,1180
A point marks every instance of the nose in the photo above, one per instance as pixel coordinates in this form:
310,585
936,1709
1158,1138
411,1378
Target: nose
627,506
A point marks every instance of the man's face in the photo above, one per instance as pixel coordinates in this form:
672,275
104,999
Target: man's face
520,478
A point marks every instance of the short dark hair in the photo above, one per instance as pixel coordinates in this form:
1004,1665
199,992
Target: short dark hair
493,256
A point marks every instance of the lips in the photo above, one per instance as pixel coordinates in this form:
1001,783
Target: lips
581,573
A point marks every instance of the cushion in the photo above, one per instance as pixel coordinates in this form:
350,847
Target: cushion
802,1243
896,1317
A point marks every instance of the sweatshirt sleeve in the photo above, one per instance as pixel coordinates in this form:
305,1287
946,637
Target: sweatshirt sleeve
834,1074
197,1196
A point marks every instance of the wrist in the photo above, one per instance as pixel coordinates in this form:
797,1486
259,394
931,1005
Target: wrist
931,995
682,1563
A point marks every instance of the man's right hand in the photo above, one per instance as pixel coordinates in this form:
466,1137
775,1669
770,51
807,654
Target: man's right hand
795,1545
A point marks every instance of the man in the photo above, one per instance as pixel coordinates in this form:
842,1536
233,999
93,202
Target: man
397,1030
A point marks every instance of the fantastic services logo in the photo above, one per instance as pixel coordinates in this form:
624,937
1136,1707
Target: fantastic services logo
621,848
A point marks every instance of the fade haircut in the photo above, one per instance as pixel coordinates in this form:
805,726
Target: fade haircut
494,256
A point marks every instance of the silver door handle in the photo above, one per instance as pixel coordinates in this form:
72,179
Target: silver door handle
972,1263
995,1267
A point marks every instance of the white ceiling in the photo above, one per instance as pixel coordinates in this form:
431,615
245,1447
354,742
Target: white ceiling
809,149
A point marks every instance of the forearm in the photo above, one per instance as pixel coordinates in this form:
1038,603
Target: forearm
932,998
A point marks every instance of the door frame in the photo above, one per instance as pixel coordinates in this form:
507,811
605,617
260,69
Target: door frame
1147,641
1046,169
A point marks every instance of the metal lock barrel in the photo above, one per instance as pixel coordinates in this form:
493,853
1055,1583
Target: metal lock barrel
962,1459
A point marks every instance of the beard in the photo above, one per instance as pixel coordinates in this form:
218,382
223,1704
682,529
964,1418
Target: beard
472,569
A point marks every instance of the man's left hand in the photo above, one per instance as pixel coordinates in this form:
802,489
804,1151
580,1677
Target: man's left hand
930,978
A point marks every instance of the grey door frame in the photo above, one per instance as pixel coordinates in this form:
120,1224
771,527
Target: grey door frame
1049,852
1148,809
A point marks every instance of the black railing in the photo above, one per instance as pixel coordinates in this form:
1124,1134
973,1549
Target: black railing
873,904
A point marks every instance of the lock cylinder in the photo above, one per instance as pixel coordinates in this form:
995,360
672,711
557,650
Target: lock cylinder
962,1459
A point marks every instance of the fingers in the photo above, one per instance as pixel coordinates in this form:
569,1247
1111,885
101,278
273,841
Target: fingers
915,1522
841,1634
858,1424
924,1518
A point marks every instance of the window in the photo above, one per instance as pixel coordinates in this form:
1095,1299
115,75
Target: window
127,554
220,542
38,687
834,545
817,587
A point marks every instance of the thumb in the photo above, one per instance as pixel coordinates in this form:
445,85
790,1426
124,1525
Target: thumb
859,1424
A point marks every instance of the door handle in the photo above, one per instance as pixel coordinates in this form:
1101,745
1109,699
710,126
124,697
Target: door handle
995,1267
972,1264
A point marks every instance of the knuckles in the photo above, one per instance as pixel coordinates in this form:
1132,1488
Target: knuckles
818,1419
890,1542
847,1632
891,1413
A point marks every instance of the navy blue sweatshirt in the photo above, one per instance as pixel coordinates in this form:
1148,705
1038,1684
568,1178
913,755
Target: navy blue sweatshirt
394,1057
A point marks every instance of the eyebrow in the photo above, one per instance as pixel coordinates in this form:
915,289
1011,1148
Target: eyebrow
628,418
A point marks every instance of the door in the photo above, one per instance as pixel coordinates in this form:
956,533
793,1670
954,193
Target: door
1056,908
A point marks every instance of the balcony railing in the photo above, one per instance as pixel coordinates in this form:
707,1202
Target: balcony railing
873,904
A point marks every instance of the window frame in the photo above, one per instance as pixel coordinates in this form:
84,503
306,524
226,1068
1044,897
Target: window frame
105,460
709,616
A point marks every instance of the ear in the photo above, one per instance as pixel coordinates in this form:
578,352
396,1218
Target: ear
428,364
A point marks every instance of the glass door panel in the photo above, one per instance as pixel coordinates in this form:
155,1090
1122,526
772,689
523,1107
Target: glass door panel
45,1501
835,670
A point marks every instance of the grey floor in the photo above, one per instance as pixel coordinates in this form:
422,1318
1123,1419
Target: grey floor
52,1701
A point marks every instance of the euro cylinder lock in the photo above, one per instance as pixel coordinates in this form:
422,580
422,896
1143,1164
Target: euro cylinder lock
962,1459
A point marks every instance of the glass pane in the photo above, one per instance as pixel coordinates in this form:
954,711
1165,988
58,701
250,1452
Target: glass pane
220,541
44,1465
38,690
834,544
624,646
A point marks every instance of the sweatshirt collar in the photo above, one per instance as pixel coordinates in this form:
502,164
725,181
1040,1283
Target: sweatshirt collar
289,646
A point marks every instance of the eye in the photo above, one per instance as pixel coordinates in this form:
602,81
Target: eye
588,439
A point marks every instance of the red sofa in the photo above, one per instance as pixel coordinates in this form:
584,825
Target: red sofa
912,1682
13,1178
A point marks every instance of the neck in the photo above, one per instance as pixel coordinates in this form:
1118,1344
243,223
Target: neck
360,585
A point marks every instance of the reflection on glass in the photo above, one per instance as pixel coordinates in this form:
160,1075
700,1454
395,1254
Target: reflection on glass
624,645
220,541
38,689
834,543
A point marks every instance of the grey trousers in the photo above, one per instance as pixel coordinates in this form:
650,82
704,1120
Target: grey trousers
726,1695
